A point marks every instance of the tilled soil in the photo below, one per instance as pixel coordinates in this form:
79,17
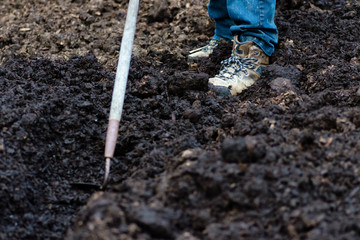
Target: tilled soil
280,161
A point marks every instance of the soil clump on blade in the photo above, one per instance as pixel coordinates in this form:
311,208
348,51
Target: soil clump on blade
280,161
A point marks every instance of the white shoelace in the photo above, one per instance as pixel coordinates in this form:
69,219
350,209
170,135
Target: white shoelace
238,64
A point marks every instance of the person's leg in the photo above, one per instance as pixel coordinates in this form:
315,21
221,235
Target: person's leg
254,21
255,36
218,11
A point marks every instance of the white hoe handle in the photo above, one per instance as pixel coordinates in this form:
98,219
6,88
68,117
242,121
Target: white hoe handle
122,73
123,66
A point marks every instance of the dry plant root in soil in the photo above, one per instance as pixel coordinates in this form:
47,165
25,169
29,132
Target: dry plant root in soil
280,161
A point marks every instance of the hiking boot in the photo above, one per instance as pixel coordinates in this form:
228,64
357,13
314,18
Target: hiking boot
203,52
241,70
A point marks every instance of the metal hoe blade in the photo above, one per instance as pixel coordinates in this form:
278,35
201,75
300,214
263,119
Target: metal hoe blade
118,96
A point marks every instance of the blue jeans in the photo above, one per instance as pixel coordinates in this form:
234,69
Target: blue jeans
252,20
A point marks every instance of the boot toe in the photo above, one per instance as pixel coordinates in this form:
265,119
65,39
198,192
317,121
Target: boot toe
220,91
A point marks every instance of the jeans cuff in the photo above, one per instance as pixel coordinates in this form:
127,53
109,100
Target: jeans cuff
216,37
267,49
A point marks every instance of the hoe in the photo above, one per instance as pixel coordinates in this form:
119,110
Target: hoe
118,96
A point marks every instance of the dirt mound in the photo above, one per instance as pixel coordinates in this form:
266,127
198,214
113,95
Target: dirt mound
278,162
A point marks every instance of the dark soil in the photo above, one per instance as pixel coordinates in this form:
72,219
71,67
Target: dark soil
281,161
